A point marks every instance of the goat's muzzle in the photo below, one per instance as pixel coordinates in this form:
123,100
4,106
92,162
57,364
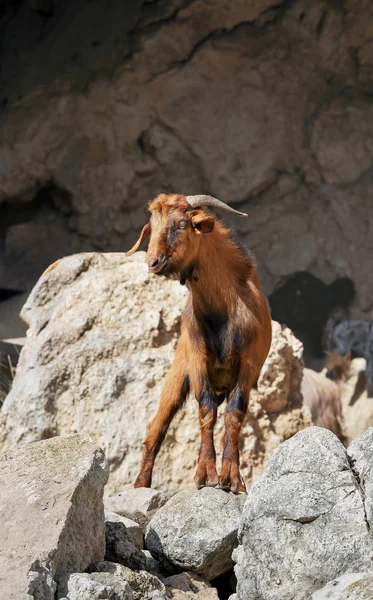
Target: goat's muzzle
157,264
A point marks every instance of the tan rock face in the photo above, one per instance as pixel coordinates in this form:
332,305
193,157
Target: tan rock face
262,103
52,514
101,339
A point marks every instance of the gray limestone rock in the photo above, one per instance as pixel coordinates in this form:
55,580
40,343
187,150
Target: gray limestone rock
96,586
132,527
360,453
138,504
144,585
121,546
303,523
52,514
196,530
351,586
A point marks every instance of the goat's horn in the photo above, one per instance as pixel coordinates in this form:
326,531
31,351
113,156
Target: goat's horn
202,200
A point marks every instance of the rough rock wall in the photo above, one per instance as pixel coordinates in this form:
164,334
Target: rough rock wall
266,104
101,340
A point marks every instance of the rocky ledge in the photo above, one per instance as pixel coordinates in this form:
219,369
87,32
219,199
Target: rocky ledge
303,531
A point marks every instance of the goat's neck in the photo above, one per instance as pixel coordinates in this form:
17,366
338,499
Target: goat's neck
217,273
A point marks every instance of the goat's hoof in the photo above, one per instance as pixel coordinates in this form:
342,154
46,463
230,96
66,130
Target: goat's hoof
224,486
201,483
236,487
212,482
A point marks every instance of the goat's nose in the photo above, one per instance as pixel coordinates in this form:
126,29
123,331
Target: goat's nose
155,263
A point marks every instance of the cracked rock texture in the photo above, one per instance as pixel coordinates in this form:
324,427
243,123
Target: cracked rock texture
263,103
52,514
196,530
360,453
144,586
101,338
304,522
95,586
351,586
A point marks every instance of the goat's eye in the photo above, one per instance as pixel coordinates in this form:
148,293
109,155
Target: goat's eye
182,225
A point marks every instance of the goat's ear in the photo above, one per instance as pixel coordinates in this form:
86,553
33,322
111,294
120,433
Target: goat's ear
143,235
201,222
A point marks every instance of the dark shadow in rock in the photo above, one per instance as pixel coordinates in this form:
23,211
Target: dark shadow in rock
226,584
303,302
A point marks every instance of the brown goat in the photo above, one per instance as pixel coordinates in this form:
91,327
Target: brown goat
323,396
225,330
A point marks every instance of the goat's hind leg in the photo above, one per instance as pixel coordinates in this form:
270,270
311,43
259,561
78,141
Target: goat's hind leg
174,393
206,469
230,477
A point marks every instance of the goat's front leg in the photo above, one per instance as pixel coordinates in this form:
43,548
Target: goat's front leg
174,393
230,477
206,470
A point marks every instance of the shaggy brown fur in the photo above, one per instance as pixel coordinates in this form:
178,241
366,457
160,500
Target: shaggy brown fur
225,332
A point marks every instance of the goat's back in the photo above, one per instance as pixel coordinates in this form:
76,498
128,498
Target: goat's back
322,396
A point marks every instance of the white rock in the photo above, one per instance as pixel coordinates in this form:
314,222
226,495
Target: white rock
144,585
51,514
95,586
138,504
196,530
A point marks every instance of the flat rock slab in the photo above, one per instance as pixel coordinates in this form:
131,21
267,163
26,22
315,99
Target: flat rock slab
51,514
196,530
138,504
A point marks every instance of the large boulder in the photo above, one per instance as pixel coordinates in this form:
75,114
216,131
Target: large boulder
102,334
196,530
52,514
304,522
